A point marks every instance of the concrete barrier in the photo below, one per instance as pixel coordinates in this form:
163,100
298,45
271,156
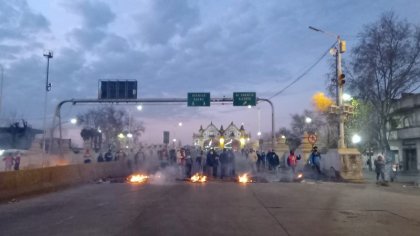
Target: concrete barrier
23,182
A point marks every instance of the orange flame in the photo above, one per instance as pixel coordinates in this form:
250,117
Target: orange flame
244,178
198,178
137,178
321,102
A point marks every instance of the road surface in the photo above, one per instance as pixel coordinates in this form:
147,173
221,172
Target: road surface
217,208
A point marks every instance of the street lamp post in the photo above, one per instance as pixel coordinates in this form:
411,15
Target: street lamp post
48,55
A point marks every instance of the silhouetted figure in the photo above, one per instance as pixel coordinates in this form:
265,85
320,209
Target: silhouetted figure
100,158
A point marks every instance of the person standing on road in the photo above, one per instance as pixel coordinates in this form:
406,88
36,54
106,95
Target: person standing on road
100,157
224,162
369,164
208,165
181,162
108,155
232,166
292,161
8,162
315,159
273,160
215,164
253,159
188,163
16,161
199,160
259,161
380,168
264,161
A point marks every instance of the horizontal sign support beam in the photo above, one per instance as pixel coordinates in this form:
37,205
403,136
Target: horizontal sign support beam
57,114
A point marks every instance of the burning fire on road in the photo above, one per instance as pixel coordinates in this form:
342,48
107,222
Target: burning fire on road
137,179
197,178
244,179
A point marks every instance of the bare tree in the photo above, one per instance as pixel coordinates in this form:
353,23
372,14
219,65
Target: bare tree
384,64
111,122
299,126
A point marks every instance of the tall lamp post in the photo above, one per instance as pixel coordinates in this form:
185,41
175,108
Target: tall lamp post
338,50
48,55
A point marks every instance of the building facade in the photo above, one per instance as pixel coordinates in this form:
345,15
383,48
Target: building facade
212,137
404,135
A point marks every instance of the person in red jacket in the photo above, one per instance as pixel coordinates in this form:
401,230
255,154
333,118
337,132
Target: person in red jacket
292,160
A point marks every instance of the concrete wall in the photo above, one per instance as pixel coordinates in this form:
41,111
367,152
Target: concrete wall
18,183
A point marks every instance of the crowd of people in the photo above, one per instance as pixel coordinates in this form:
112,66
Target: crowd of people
222,163
12,161
217,163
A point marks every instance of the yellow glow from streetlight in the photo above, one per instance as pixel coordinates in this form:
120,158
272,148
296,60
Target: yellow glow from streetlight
242,140
222,142
121,135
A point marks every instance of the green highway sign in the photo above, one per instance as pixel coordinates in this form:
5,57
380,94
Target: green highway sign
198,99
244,99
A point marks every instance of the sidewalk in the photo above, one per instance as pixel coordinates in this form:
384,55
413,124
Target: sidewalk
407,178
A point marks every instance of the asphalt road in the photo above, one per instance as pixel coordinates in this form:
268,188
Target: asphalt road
217,208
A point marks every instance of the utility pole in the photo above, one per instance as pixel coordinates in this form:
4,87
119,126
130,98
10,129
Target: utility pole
340,83
340,109
48,55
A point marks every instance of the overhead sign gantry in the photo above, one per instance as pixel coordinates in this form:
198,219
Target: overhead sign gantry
193,99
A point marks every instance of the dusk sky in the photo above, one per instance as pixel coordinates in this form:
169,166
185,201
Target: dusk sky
174,47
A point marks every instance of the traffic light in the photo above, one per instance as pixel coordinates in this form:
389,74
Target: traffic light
341,80
342,46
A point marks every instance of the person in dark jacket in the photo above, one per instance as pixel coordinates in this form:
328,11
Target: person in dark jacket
273,160
209,162
380,168
259,161
231,164
224,162
16,160
315,159
100,158
108,156
215,164
188,163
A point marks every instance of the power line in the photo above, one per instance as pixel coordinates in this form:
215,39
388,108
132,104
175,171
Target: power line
304,73
415,89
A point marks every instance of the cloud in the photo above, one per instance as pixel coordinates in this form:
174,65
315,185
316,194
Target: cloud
96,17
165,19
95,14
19,22
171,48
